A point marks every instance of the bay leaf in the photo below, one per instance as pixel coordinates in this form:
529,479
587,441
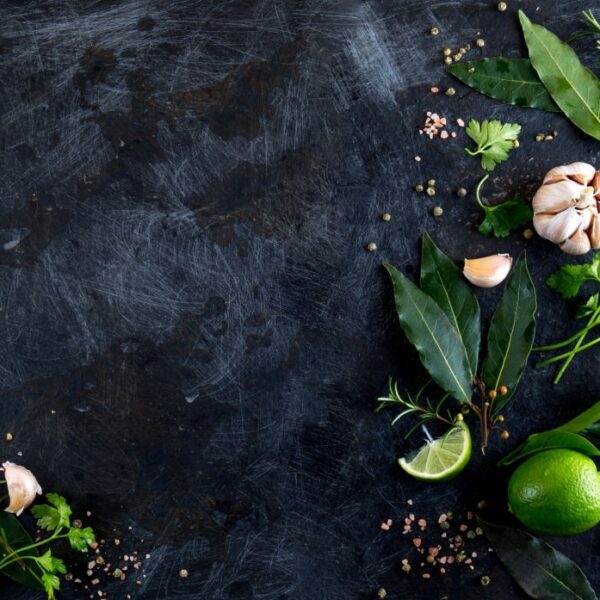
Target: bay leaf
573,87
511,334
26,572
443,281
438,343
550,440
509,80
540,570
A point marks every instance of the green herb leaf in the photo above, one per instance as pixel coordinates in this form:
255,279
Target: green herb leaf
14,535
574,88
542,571
582,421
585,309
509,80
501,219
51,584
569,279
494,141
439,345
550,440
511,334
52,564
442,280
52,516
80,539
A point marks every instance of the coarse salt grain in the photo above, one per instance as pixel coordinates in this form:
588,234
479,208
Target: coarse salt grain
422,523
442,518
435,90
460,122
417,542
426,576
385,526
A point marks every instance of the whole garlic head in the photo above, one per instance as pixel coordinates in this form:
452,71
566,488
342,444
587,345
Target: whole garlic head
22,487
565,208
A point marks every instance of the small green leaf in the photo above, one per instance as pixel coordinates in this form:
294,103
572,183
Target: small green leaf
80,539
569,279
587,308
511,334
550,440
51,584
501,219
438,343
442,280
574,88
583,421
542,571
27,573
494,141
509,80
52,564
55,516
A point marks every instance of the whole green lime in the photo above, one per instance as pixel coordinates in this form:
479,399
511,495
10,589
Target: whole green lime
556,492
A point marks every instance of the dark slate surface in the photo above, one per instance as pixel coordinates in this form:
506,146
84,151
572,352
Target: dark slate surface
193,334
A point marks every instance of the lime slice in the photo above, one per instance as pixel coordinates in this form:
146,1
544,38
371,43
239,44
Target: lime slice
443,458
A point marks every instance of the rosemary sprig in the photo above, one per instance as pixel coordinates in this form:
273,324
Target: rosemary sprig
423,408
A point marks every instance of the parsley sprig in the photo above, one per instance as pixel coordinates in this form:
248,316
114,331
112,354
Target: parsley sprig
494,141
568,281
45,569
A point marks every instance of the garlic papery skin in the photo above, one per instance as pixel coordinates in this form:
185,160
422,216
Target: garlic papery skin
22,487
565,208
578,243
557,228
488,271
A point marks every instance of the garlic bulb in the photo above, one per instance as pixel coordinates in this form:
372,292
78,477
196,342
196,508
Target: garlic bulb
488,271
22,487
565,208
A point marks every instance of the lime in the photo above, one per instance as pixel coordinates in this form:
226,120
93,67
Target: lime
443,458
556,492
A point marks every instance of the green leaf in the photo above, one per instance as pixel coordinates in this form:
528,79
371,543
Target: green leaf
582,421
442,280
542,571
52,564
12,532
52,516
569,279
511,334
587,308
439,345
501,219
550,440
509,80
51,584
572,86
80,539
494,141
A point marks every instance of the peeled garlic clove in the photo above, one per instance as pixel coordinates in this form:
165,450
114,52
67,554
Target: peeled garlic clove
557,228
488,271
586,217
22,487
579,171
578,243
556,197
594,232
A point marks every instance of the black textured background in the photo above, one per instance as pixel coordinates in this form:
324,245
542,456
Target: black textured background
193,336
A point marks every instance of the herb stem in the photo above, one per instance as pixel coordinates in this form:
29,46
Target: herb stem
54,536
570,354
478,190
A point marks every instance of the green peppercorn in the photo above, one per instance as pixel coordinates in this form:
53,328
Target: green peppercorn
438,211
502,6
430,191
461,192
386,217
419,188
480,42
450,91
434,31
431,182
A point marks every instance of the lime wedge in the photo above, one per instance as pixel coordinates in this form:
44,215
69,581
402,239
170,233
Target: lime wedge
443,458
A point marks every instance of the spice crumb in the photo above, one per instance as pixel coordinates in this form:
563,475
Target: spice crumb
386,217
434,31
183,573
371,247
381,593
435,90
9,437
438,211
501,6
480,42
485,580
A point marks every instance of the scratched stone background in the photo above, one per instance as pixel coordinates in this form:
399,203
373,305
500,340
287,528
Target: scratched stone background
193,335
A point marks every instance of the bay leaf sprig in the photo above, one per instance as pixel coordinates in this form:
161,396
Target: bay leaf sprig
441,319
568,282
539,569
580,434
569,85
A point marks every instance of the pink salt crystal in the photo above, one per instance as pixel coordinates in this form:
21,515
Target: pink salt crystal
426,576
385,526
443,518
463,528
405,561
418,158
417,542
460,122
474,554
444,535
411,517
469,516
422,523
443,559
444,135
442,570
453,134
407,521
409,502
450,560
435,90
389,522
433,551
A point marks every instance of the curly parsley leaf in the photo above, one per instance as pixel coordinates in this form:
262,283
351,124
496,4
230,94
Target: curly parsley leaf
80,539
494,141
51,584
52,564
568,280
501,219
54,515
585,309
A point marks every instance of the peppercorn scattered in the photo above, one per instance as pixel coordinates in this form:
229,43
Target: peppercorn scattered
381,593
438,211
447,52
493,394
431,182
480,42
485,580
183,573
528,233
502,6
386,217
371,246
419,188
430,191
503,390
505,435
461,192
434,31
9,437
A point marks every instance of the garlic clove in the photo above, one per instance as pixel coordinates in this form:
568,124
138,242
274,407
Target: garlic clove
586,216
488,271
557,228
578,243
556,197
594,232
22,487
579,171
